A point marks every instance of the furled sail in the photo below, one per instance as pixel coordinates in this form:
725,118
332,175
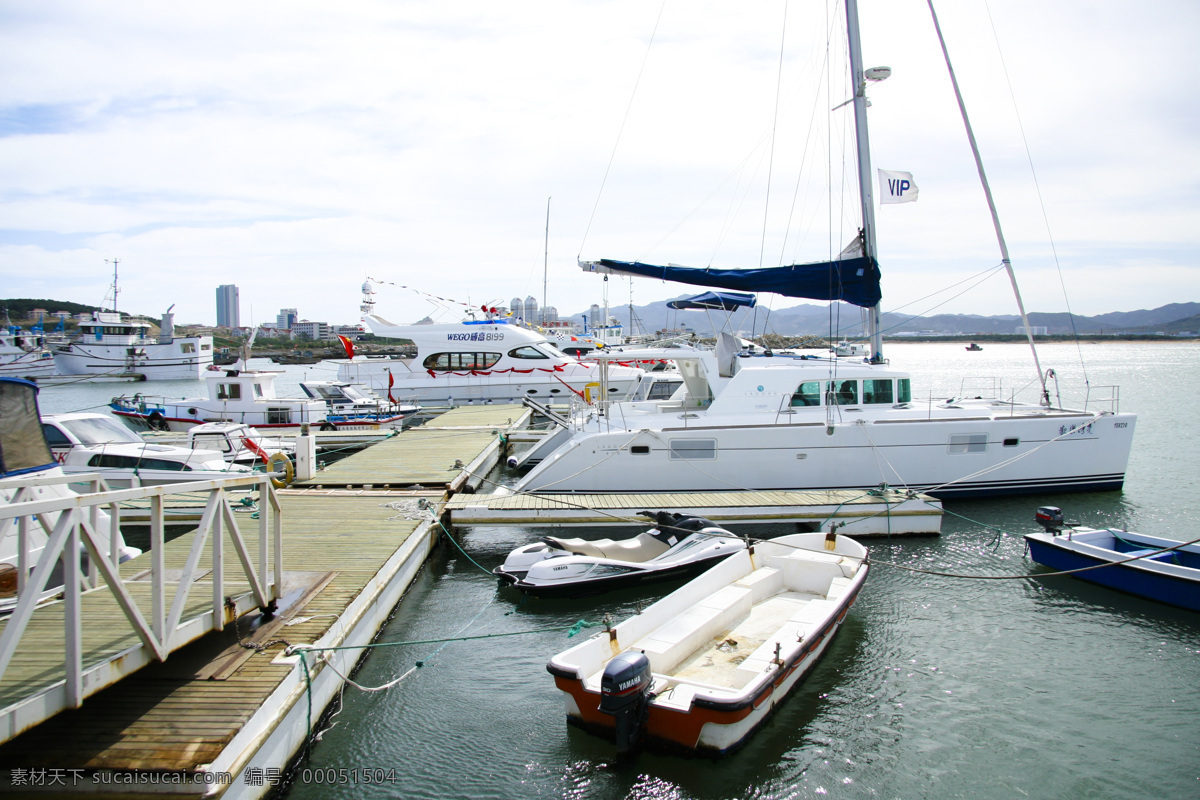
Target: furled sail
853,279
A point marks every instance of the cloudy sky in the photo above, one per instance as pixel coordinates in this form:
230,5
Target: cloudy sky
296,148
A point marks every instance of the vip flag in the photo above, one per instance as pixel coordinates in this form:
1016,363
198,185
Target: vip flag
896,187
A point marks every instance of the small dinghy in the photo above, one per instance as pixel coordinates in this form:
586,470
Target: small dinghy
701,669
677,547
1160,569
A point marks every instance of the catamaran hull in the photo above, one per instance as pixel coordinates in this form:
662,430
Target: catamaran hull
947,458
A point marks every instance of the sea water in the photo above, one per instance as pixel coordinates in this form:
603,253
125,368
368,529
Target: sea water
936,686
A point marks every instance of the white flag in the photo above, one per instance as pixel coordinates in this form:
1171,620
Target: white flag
896,187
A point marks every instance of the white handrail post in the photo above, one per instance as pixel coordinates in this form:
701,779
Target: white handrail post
72,629
263,532
218,562
157,568
277,523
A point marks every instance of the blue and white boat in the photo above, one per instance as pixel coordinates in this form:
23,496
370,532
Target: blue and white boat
1160,569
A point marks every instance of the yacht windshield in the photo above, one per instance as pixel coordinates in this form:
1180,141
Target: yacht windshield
99,430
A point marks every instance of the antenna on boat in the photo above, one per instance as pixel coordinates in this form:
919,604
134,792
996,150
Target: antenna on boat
114,262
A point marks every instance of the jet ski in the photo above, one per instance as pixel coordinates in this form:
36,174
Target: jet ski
677,547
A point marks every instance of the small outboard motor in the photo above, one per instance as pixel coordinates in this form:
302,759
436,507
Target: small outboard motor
625,694
1050,518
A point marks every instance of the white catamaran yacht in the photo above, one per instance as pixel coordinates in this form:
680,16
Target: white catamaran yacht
797,423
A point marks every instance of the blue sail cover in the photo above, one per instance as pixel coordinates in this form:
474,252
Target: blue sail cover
726,301
853,280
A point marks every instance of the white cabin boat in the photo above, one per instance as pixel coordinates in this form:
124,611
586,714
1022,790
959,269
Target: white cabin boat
703,668
87,442
490,360
346,402
24,355
111,344
246,396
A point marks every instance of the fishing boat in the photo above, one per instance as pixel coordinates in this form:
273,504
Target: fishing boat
746,421
1159,569
29,473
973,347
484,358
676,547
701,669
111,344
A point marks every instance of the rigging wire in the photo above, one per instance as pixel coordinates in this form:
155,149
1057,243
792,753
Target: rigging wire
621,130
1037,187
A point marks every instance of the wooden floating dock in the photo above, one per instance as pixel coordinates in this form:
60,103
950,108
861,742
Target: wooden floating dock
218,719
857,513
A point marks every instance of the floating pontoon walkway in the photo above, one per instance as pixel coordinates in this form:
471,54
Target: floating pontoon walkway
862,513
218,717
447,453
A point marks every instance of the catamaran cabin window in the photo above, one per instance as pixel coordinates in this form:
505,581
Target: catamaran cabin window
229,391
877,390
844,393
527,352
442,362
903,390
693,449
967,443
808,394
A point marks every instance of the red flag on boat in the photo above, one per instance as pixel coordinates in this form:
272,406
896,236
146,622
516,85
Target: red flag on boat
391,382
348,346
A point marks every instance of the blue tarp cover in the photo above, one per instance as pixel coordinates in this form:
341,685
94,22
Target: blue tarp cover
726,301
854,280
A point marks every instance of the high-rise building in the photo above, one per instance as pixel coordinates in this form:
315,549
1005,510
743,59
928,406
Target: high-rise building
286,318
228,313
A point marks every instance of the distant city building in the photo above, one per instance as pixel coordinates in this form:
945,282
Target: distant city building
549,315
349,331
1036,330
228,312
286,318
316,331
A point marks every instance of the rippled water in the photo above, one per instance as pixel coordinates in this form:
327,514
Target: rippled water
935,687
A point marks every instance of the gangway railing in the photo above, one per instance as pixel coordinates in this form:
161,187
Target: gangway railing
89,523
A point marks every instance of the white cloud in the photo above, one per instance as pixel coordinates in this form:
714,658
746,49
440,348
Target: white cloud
294,148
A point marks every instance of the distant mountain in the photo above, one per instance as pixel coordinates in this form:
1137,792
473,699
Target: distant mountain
843,320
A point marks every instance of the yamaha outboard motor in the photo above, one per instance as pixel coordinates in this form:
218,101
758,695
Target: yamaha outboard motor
625,694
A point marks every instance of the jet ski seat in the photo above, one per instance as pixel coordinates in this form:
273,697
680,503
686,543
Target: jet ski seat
642,547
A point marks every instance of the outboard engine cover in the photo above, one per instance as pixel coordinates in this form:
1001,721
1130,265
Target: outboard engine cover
624,693
1050,518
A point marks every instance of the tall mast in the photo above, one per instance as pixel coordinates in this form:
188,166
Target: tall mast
987,191
865,183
